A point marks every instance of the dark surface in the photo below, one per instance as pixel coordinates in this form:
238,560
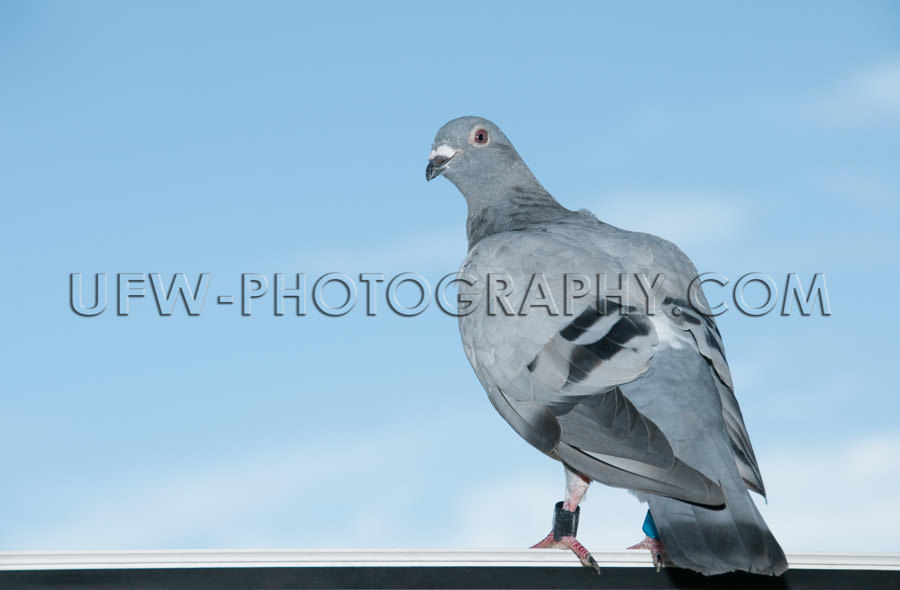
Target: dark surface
435,577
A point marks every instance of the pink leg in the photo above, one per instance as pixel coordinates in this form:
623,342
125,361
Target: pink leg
576,487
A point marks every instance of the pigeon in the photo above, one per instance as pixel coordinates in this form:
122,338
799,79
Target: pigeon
598,347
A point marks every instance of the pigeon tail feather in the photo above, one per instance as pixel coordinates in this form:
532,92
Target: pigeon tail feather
717,541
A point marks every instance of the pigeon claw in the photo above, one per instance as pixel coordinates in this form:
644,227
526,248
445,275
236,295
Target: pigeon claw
571,543
657,552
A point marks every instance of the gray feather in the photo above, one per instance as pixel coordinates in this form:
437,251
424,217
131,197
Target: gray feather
631,390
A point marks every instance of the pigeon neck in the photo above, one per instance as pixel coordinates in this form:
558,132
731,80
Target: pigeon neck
512,208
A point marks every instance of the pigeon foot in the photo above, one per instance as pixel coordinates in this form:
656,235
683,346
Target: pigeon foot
657,551
569,542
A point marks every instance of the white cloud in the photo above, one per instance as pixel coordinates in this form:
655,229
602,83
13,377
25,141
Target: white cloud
872,94
840,497
370,488
424,485
836,497
166,509
516,510
691,220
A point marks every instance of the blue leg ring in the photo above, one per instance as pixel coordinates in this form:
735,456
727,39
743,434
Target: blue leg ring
649,527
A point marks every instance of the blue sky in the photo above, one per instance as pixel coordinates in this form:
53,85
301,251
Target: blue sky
232,138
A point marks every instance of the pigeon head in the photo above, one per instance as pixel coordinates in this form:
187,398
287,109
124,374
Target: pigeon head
475,156
501,192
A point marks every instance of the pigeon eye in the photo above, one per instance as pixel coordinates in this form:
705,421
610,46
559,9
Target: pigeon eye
480,136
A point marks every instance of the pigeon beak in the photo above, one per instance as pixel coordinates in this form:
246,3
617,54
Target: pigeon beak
438,160
435,167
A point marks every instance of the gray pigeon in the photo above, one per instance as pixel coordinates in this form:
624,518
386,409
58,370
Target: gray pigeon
592,343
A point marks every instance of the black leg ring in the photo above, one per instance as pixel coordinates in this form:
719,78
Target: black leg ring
565,523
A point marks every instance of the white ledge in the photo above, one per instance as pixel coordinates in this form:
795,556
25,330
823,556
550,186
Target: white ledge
78,560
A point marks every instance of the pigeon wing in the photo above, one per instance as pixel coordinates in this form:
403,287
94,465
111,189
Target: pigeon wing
555,377
684,307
